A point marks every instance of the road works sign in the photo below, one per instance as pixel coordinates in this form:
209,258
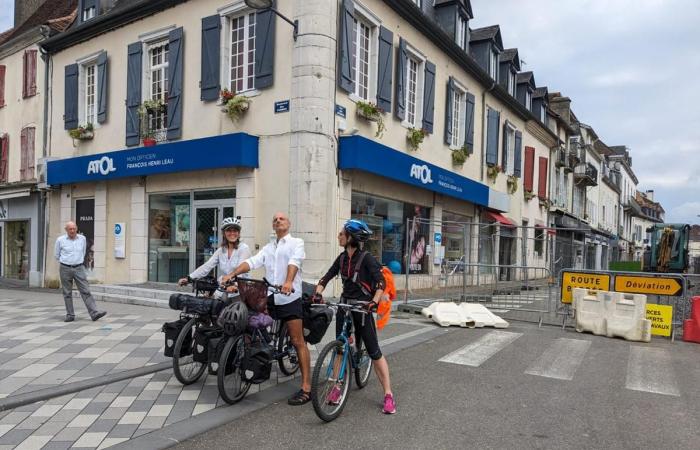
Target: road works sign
648,285
661,317
592,281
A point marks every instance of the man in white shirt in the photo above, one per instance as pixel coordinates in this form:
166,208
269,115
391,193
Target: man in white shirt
282,260
70,252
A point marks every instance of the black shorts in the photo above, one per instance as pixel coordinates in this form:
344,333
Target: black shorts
290,311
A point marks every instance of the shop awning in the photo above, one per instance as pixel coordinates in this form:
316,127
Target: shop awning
215,152
500,218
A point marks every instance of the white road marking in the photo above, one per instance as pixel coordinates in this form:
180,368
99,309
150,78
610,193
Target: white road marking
561,359
476,353
649,370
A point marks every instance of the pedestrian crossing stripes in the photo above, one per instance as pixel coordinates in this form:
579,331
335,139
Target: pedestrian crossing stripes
476,353
649,369
561,359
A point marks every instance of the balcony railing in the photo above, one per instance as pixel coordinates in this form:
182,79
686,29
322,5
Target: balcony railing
586,174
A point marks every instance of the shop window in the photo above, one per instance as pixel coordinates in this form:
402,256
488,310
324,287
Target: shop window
388,221
455,230
168,237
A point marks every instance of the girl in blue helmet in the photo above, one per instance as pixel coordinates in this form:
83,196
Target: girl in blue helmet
360,283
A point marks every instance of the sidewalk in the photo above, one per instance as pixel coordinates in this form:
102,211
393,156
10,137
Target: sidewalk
40,353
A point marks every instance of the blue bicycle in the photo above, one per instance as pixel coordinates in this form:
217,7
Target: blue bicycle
330,382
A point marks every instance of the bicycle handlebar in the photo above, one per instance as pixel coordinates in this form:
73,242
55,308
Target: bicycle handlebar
275,288
359,306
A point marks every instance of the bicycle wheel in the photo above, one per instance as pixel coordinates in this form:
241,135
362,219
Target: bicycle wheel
289,362
232,388
363,366
331,361
187,370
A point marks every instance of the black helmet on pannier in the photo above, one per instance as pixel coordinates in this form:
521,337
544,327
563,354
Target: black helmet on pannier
233,319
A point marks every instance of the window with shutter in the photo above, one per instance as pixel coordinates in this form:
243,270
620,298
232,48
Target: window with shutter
492,129
529,169
542,178
23,154
157,86
2,86
29,74
4,157
241,52
414,76
458,116
362,64
27,154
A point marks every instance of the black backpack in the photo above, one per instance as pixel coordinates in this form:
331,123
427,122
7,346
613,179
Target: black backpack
257,362
355,272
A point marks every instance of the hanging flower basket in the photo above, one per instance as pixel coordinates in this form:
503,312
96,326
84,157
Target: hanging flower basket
372,113
528,195
82,133
152,107
235,106
459,156
415,137
493,171
512,184
545,203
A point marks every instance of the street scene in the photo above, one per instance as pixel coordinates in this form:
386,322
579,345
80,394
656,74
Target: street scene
325,223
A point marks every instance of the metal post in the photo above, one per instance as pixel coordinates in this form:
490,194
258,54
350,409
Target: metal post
407,256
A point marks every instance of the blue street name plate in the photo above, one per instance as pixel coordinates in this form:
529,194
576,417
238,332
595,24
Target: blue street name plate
340,111
282,106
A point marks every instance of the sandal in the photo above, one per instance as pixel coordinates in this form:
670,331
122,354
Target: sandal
299,398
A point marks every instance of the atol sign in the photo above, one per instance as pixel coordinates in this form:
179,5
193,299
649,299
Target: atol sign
590,281
649,285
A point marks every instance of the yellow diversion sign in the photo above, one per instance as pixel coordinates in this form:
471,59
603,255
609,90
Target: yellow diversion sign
648,285
593,281
661,317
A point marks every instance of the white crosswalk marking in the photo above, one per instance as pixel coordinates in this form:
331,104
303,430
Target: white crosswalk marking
561,359
649,370
476,353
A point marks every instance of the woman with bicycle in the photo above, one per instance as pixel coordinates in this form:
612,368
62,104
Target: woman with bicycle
362,282
227,257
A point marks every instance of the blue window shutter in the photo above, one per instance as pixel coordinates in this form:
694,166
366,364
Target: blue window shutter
133,92
386,51
504,154
517,170
176,55
211,58
70,112
449,107
264,48
346,80
401,58
102,87
429,97
469,124
492,137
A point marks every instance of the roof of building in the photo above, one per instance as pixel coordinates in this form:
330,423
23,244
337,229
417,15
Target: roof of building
526,77
510,55
57,14
540,92
466,4
492,32
645,202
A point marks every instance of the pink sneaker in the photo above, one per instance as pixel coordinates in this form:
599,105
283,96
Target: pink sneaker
389,405
334,395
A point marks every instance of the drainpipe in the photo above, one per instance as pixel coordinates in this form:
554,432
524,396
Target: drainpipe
483,129
43,229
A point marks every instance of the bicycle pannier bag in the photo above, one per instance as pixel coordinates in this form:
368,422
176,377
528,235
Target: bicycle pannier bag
257,363
172,331
202,338
316,321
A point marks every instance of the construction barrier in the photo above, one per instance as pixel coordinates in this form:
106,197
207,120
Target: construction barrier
612,314
691,328
466,315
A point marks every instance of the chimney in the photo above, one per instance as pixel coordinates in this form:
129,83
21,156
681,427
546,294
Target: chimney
24,9
650,195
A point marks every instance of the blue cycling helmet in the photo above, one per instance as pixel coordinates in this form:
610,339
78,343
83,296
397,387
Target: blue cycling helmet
358,230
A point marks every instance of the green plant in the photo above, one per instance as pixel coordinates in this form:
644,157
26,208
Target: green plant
545,203
493,171
458,157
373,113
415,137
236,106
512,184
529,195
151,107
82,132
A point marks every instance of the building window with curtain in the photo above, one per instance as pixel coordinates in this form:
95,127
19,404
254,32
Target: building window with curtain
242,52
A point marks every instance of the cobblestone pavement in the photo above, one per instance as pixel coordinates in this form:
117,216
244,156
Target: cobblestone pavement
40,351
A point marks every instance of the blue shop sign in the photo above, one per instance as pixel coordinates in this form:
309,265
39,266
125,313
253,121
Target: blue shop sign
230,150
360,153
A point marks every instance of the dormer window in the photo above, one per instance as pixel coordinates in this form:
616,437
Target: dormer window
528,99
462,32
88,13
543,114
88,9
493,65
511,83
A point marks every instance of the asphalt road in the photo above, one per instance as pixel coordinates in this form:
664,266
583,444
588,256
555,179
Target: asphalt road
497,405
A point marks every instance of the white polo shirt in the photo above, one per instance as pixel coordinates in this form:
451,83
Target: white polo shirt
276,257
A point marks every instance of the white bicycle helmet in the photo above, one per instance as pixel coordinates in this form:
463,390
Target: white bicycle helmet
231,222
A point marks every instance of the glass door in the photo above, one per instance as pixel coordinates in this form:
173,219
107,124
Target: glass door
16,260
206,229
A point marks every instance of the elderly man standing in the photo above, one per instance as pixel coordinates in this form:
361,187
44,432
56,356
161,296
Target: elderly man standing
70,252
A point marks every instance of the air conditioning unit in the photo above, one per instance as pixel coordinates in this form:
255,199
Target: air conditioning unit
42,173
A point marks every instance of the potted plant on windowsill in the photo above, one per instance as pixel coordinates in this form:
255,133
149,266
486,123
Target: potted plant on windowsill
459,156
149,138
235,106
372,113
529,195
493,171
512,184
545,203
82,133
152,107
415,137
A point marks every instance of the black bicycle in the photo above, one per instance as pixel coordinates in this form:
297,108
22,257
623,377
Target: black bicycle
330,382
247,355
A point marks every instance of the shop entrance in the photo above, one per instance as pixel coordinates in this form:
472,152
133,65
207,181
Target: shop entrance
206,233
16,257
506,254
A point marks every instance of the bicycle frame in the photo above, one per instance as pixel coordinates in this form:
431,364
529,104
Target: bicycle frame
344,337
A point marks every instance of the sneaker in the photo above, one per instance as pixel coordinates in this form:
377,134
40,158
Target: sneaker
334,395
99,315
69,319
389,405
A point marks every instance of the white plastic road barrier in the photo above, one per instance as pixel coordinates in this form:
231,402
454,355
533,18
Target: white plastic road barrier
464,315
626,317
481,316
590,311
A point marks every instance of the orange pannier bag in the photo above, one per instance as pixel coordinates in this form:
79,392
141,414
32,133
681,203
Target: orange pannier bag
384,307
